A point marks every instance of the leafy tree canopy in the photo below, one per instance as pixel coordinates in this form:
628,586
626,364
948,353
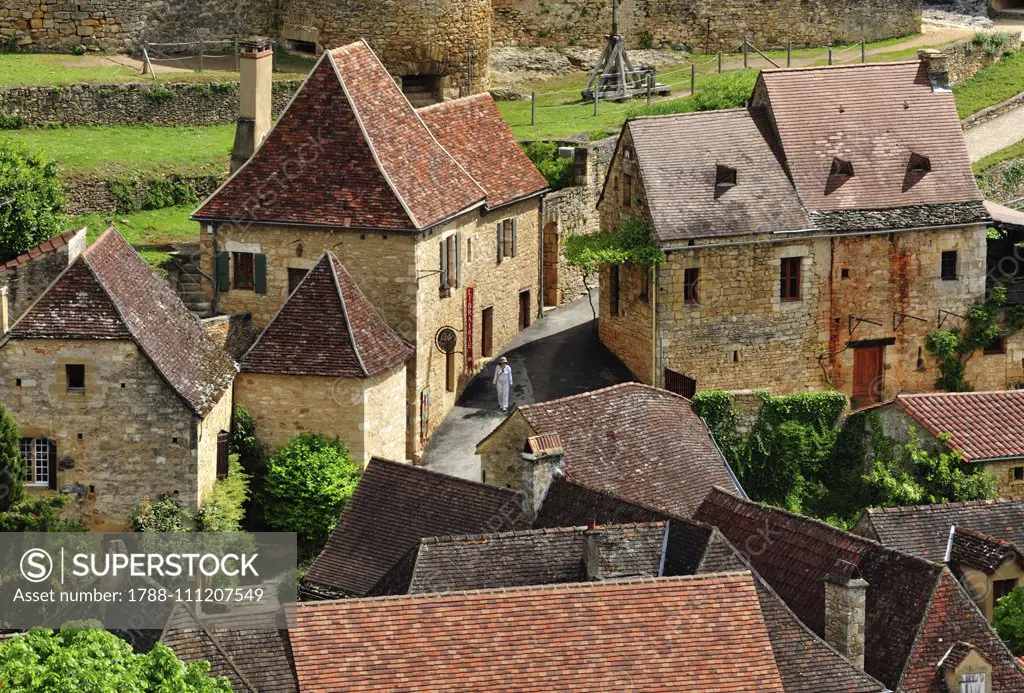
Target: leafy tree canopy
12,467
631,244
1008,620
31,199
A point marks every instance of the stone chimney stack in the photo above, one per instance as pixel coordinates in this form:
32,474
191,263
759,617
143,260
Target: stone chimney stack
845,607
937,64
539,469
255,94
5,311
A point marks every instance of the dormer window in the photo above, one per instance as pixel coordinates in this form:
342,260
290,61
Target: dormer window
919,164
841,168
725,178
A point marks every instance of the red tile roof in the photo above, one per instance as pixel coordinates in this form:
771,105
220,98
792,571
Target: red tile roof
327,327
393,507
350,151
643,444
983,425
474,132
908,598
47,246
110,292
700,633
874,116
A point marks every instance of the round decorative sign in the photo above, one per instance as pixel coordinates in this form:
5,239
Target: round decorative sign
446,339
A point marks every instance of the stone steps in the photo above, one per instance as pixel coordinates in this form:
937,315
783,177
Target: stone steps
189,284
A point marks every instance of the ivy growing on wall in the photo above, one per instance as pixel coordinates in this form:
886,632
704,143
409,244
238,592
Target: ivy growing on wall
132,194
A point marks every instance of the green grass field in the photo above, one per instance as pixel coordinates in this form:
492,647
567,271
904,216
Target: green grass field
151,232
991,85
1014,151
127,150
34,69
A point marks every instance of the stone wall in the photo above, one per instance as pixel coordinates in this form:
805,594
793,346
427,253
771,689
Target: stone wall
95,194
27,281
704,26
134,104
1004,181
145,442
125,24
966,58
500,459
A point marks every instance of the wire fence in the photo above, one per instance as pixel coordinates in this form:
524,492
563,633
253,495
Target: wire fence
194,53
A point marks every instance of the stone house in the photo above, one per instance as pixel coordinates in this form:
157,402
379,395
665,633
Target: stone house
23,279
328,363
116,389
906,620
640,443
987,428
436,212
812,240
978,540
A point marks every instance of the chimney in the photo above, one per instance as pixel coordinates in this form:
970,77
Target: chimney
256,61
937,64
538,470
593,553
5,311
845,606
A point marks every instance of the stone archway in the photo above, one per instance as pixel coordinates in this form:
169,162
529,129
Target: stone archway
552,253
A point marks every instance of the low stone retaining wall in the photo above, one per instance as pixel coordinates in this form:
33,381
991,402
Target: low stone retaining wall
97,195
967,57
992,112
157,103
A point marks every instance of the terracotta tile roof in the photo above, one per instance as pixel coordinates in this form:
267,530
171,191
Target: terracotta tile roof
970,549
873,116
43,248
329,328
473,131
109,292
703,633
350,151
794,554
536,557
393,507
642,444
983,425
678,157
806,663
923,530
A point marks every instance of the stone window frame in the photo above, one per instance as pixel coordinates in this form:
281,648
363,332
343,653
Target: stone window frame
949,272
691,286
74,373
243,264
507,240
1018,474
790,277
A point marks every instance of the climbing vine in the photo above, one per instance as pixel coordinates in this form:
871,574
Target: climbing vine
985,322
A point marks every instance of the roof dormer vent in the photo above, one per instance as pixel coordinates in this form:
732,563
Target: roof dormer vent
919,164
841,168
725,179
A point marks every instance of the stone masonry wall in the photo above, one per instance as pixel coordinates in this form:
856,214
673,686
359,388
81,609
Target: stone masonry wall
27,282
217,419
134,104
702,25
129,435
500,459
94,194
966,58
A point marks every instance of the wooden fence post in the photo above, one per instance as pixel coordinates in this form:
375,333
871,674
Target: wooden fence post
202,46
830,55
650,84
789,54
238,61
863,52
719,62
745,54
693,78
533,108
597,95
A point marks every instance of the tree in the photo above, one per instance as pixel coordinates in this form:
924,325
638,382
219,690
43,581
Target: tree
38,514
252,455
308,483
95,661
224,509
31,199
12,466
162,515
1008,620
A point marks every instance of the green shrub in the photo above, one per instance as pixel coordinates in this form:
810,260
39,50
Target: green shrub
163,515
308,483
78,50
12,122
1013,174
1008,620
224,508
12,466
134,195
31,200
38,514
645,40
158,94
560,172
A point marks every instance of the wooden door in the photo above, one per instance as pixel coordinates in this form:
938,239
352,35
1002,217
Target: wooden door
487,332
868,383
524,309
680,384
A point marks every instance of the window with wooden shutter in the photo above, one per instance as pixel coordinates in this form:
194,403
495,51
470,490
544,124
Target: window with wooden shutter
452,253
789,279
223,262
260,272
507,239
443,254
501,241
222,455
245,271
515,234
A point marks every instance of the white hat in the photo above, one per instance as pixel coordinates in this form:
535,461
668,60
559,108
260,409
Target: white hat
503,360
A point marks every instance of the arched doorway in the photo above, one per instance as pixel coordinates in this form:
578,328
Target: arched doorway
552,292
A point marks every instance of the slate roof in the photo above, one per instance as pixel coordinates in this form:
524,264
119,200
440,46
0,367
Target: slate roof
48,246
678,157
697,633
473,131
351,152
923,530
913,606
535,557
640,443
873,116
970,549
110,292
393,507
983,425
327,327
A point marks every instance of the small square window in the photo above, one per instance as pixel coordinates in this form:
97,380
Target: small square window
691,285
1018,473
1001,588
17,382
996,346
949,262
76,377
295,277
844,273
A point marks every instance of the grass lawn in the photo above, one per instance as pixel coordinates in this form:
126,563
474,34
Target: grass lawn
1014,151
150,232
33,69
991,85
126,150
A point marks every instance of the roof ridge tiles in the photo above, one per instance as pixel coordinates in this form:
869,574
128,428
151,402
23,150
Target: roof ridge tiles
423,470
945,506
590,393
538,531
820,68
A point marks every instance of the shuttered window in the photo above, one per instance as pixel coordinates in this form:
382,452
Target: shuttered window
449,249
506,239
245,271
789,280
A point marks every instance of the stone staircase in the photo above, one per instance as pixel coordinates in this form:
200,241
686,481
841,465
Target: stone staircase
189,283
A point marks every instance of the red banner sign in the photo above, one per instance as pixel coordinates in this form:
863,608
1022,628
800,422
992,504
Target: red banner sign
469,328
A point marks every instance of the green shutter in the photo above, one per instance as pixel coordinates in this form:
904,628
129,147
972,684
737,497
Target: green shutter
444,264
261,274
223,270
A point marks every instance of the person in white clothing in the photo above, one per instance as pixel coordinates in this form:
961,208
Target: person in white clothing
503,382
